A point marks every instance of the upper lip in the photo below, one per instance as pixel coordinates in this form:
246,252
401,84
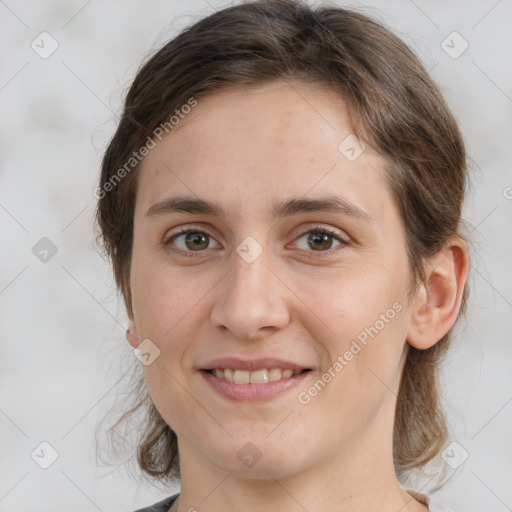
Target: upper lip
235,363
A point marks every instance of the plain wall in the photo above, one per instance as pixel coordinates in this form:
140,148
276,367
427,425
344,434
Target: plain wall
63,351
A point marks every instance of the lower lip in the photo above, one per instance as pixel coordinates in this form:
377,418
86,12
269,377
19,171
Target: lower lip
252,392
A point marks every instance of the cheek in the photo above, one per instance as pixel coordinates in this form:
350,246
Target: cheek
346,303
164,297
167,310
359,320
363,340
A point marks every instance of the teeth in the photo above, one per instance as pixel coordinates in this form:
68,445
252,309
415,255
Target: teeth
241,377
275,374
256,377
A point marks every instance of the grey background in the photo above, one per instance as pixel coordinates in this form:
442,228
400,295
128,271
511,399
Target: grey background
63,353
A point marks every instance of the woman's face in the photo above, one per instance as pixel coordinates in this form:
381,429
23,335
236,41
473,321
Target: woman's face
302,259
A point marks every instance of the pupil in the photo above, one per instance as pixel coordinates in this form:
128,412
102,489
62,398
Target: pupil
321,238
197,240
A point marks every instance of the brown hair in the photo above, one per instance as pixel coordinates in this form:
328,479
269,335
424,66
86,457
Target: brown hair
394,106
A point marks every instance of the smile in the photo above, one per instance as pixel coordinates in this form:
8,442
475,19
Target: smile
262,376
256,385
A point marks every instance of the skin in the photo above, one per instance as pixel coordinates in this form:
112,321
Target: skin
245,149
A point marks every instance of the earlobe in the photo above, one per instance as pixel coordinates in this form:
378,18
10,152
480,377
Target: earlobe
438,300
131,334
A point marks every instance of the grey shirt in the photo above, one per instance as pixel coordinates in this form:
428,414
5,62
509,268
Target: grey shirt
433,505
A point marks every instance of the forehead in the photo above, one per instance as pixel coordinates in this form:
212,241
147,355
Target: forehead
263,143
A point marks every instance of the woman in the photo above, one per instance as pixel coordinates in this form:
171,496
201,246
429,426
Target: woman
282,205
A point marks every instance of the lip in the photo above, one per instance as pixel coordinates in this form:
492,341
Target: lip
252,392
235,363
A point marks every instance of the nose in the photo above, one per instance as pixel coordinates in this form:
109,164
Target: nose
251,299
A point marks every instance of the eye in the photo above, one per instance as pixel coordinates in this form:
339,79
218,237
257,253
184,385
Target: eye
188,240
320,240
192,239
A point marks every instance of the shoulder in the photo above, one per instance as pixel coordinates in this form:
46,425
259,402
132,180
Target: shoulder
161,506
432,504
435,506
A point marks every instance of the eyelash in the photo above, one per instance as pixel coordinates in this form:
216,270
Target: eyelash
316,230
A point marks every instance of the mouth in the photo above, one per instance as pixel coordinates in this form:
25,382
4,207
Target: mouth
261,376
258,385
257,379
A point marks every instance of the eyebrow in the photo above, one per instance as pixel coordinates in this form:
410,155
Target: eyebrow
332,204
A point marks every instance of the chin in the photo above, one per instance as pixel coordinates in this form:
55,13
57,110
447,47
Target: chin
256,457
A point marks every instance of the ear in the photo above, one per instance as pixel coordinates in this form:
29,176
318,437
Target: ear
132,335
438,300
122,280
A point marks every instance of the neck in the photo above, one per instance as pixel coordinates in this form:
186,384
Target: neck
349,481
